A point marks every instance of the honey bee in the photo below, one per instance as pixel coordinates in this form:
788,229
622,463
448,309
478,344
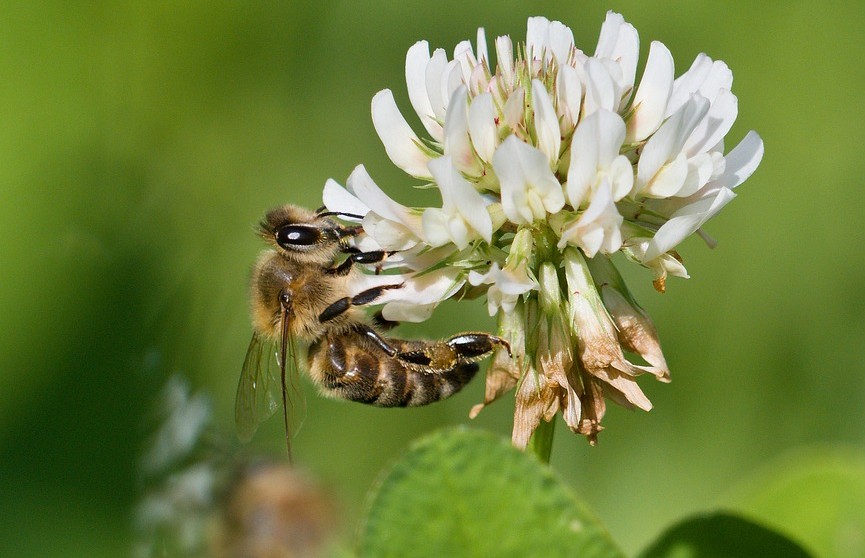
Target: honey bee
300,292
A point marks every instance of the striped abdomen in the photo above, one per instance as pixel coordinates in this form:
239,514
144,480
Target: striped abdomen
348,366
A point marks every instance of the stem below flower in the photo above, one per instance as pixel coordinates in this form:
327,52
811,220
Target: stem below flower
541,443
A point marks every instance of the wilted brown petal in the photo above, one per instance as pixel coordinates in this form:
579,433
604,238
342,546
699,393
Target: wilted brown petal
594,407
502,376
599,350
636,332
536,399
624,383
569,401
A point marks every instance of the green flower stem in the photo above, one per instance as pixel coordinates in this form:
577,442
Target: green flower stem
541,443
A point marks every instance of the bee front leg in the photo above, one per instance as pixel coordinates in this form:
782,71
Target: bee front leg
341,231
360,258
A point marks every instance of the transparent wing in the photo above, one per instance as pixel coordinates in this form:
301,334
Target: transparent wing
256,399
293,407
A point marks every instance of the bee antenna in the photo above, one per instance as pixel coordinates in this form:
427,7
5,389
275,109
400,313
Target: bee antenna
338,214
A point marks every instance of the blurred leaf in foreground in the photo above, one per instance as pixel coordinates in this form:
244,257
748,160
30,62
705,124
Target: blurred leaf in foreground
722,535
466,493
816,494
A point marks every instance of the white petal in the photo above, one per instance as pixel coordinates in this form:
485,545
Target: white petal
619,41
515,282
742,161
435,74
479,81
700,169
390,235
460,197
514,108
459,231
400,142
583,169
704,77
600,88
425,288
482,126
366,243
591,241
526,179
406,312
600,223
719,78
476,278
685,221
688,83
338,199
594,148
666,144
621,174
715,125
650,101
635,249
370,194
456,134
435,227
464,54
505,60
602,201
537,37
483,54
416,60
669,179
569,91
561,41
611,134
453,79
546,123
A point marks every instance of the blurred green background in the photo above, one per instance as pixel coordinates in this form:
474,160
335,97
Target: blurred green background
140,143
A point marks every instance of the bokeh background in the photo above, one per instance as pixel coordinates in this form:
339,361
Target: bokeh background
140,143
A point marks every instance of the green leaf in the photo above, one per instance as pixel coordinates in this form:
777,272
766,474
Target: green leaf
722,535
816,494
466,493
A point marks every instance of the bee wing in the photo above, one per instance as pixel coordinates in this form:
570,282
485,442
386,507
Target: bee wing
293,404
256,400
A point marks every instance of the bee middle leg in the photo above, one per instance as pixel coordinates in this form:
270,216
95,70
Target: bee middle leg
364,297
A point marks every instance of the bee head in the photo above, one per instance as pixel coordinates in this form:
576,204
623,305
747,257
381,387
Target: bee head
302,235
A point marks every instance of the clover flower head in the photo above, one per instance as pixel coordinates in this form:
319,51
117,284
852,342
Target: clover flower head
549,161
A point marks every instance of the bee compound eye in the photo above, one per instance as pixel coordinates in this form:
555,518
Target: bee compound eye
297,236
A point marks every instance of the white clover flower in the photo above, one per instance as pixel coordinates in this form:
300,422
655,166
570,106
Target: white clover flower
506,286
549,161
463,217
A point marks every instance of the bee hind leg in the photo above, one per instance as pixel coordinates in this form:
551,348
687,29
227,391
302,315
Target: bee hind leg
473,346
461,349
